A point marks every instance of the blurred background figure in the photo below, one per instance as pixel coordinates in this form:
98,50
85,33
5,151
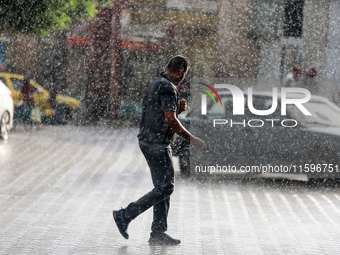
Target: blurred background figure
27,91
293,78
31,109
23,108
310,81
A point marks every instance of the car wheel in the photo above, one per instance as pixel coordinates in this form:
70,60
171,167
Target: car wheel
4,126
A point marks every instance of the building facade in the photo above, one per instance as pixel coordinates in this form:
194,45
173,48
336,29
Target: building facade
252,39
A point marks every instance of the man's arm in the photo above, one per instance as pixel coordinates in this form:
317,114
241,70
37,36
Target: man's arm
177,127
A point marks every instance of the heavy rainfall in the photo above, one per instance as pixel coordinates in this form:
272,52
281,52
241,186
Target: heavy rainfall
231,108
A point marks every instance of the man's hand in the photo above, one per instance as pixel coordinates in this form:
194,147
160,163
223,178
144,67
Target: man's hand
197,142
335,96
176,126
182,106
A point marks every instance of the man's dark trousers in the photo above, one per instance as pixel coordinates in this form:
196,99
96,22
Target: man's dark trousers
162,173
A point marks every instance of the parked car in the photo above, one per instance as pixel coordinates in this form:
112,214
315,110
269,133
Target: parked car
6,111
65,104
310,145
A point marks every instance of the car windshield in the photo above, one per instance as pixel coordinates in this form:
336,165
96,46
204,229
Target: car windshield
323,114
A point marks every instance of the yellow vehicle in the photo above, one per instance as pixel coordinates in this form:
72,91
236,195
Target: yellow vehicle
41,96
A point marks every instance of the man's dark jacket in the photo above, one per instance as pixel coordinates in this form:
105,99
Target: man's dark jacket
160,96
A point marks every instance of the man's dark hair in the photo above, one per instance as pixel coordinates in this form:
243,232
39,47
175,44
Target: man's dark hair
177,63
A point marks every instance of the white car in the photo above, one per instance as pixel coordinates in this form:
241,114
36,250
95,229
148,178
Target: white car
6,111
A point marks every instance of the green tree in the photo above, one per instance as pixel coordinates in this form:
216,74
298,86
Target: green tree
44,16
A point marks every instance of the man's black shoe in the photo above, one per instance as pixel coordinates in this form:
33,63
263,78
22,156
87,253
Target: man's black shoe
162,239
122,222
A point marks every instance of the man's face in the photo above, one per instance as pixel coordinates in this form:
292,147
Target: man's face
181,75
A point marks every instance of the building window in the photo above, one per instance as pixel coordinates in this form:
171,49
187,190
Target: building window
293,18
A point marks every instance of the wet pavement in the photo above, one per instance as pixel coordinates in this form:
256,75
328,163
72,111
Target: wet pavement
58,187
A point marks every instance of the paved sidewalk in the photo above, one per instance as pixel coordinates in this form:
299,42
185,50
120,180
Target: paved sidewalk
58,187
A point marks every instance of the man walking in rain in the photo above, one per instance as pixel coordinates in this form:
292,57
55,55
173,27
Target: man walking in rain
158,124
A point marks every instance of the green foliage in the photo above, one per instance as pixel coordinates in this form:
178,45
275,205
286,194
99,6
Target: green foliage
43,16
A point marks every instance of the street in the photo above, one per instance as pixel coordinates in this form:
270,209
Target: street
58,187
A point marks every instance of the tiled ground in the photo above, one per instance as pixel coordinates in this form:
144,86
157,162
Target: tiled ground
58,187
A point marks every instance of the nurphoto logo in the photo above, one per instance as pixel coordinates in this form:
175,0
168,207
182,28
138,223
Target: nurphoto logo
239,104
